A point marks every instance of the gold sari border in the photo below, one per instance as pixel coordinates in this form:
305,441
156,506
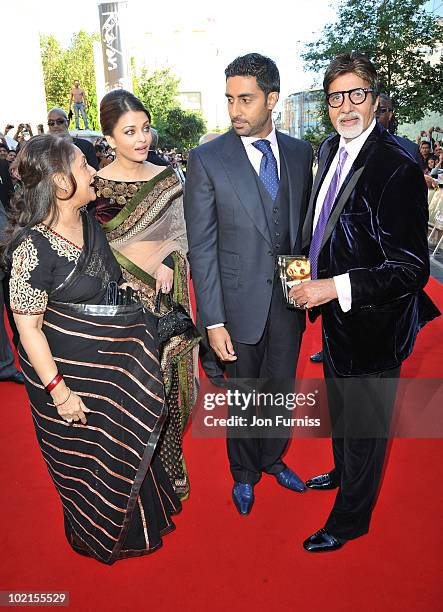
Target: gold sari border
136,200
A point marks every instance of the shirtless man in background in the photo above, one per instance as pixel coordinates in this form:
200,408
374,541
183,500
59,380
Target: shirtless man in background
78,96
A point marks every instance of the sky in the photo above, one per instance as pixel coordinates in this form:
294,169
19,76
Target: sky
279,30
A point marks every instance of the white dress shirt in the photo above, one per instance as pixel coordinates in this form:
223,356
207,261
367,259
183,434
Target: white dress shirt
353,148
254,156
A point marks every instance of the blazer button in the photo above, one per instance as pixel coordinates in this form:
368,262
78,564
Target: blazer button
271,253
269,281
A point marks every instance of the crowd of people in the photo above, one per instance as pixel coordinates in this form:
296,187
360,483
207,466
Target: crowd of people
431,152
59,121
95,248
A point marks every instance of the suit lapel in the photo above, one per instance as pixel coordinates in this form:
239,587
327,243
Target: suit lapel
329,150
357,169
296,180
239,170
340,204
351,180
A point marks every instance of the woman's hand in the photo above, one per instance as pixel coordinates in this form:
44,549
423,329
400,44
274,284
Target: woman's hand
71,406
132,285
165,277
34,342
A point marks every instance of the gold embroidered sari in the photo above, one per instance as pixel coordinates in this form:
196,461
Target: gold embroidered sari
144,224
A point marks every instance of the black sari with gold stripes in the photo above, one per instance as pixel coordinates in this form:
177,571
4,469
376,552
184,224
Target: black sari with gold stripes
117,499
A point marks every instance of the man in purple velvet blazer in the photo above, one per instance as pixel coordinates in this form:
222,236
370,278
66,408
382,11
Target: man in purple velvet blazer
366,234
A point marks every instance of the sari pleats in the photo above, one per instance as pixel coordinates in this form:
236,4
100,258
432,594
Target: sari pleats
117,498
154,205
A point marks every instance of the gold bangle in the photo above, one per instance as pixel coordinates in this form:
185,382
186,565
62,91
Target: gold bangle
64,401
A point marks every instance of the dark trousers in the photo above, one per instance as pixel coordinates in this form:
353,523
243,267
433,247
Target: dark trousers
7,366
361,410
12,325
273,360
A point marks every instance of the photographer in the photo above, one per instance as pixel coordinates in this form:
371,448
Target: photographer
24,132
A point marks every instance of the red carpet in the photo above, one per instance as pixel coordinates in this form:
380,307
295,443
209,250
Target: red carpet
217,560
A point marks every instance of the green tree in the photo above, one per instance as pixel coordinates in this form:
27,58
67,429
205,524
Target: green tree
62,66
180,129
158,91
397,35
55,75
316,136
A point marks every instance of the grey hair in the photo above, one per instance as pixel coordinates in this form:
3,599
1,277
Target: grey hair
358,64
59,111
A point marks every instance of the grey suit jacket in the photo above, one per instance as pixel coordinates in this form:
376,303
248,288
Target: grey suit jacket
230,247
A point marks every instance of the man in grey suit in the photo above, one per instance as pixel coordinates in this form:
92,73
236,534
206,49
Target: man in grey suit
245,199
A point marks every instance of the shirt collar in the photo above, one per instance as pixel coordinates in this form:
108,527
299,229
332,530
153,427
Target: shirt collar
272,137
354,146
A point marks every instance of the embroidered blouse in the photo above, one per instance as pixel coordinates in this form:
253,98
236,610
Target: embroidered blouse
40,264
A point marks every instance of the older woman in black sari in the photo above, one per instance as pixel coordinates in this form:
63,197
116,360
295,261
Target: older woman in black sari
92,370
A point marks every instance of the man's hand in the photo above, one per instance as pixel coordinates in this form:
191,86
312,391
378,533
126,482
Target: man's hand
314,292
221,343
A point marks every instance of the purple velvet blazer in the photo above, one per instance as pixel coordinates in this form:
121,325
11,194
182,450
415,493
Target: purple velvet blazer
377,232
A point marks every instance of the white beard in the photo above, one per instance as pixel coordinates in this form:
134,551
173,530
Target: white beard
352,131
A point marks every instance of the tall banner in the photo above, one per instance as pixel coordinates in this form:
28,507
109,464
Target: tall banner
115,60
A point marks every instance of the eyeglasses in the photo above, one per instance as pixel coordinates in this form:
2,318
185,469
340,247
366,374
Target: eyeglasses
52,122
356,96
381,110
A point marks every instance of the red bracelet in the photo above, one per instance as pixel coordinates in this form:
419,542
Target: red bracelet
54,382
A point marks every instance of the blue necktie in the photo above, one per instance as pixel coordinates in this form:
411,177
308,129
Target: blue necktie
268,167
331,194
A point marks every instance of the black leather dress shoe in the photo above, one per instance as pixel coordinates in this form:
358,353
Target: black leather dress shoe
323,541
317,357
17,377
323,482
243,497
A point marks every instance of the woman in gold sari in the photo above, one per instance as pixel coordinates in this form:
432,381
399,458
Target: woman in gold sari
140,208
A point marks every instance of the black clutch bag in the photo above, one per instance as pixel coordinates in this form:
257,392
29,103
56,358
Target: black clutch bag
116,296
175,322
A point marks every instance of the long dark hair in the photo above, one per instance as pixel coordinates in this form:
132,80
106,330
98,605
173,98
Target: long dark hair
35,201
115,104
